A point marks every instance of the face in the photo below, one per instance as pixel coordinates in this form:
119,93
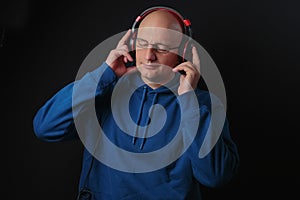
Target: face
156,54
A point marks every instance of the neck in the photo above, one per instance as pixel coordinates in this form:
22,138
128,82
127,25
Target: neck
154,84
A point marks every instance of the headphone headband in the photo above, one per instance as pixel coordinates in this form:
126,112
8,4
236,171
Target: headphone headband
186,23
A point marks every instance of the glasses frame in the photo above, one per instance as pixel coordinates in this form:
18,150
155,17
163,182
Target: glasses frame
164,50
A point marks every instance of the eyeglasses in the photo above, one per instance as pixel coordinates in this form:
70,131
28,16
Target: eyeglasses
159,48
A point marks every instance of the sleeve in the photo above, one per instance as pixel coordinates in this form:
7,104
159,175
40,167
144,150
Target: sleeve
213,154
54,121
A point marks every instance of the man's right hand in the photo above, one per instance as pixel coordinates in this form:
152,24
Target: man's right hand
117,57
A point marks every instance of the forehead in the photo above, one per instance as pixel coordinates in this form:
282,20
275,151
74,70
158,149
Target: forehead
159,35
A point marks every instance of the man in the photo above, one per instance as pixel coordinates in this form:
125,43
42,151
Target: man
162,104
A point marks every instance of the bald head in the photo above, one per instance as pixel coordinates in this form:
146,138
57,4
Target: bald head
162,19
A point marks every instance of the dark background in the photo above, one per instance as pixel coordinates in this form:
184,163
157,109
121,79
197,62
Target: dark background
254,44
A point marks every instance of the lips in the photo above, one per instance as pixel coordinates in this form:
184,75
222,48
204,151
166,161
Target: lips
151,66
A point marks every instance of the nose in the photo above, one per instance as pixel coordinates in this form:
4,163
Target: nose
150,53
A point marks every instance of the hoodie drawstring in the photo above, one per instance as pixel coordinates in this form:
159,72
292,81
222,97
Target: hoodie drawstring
148,120
139,114
138,121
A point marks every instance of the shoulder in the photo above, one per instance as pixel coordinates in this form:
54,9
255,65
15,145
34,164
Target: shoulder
131,79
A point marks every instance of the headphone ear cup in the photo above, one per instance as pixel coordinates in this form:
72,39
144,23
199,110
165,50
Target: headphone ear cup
131,47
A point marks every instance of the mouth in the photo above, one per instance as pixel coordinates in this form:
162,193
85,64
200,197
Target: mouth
151,66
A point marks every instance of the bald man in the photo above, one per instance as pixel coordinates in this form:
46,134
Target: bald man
153,121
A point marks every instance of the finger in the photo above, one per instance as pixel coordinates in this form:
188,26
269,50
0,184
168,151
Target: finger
126,55
189,70
123,50
196,58
125,38
178,67
183,67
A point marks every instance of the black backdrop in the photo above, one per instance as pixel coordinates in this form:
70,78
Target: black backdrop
254,44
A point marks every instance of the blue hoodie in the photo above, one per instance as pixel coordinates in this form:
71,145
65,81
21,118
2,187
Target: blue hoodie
180,178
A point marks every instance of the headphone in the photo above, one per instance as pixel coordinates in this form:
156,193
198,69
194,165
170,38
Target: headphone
186,44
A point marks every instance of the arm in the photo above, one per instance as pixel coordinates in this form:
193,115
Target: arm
220,164
54,121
